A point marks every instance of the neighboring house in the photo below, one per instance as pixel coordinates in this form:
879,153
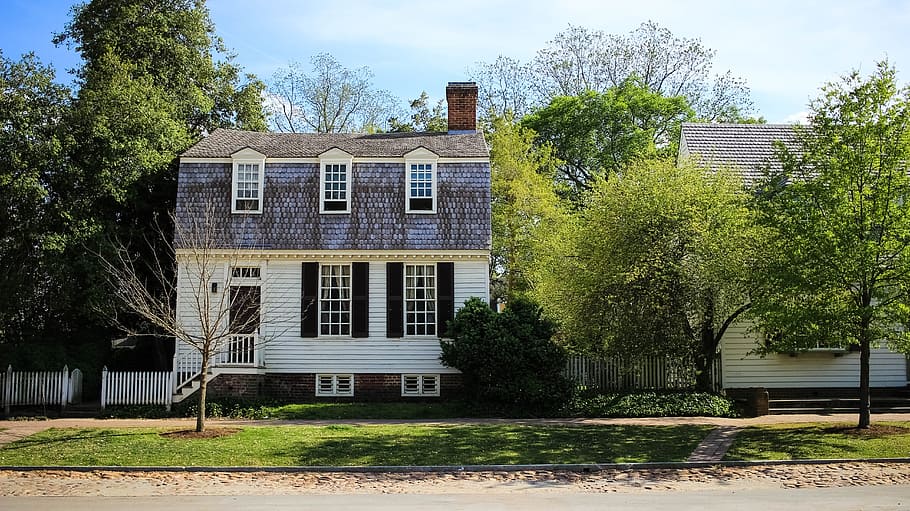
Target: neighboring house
357,249
749,148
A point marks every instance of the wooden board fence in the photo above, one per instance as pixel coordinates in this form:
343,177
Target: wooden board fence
646,373
136,388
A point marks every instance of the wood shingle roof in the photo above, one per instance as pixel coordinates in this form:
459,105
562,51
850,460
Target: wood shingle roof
222,143
748,148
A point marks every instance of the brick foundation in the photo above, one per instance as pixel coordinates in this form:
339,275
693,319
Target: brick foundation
301,387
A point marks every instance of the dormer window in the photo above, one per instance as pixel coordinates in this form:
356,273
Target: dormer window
420,170
335,182
247,181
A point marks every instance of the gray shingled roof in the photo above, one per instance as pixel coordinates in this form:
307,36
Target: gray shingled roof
221,143
748,147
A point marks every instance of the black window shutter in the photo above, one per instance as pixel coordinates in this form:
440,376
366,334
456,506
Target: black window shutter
360,299
445,297
394,278
309,294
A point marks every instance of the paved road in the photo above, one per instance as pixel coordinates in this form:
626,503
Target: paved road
829,499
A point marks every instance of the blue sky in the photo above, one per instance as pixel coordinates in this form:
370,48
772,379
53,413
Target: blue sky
784,49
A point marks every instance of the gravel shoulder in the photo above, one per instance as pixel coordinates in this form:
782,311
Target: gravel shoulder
114,484
634,480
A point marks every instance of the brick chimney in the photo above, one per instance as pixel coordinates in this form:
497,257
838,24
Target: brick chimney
462,100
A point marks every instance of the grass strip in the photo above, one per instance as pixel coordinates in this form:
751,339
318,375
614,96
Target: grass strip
347,445
821,441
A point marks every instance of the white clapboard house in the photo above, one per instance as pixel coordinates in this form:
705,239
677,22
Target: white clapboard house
352,250
749,148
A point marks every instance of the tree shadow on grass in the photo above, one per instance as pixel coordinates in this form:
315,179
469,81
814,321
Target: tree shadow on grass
809,442
497,445
56,436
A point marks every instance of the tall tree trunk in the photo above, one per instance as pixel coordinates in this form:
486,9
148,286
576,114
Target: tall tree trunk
707,349
864,394
704,361
200,414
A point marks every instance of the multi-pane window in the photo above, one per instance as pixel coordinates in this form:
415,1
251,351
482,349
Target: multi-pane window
247,185
245,272
335,299
421,193
420,299
335,189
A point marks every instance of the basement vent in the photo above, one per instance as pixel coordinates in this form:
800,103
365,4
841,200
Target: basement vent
420,385
334,384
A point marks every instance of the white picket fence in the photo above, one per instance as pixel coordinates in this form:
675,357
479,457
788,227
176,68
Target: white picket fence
136,388
645,373
40,388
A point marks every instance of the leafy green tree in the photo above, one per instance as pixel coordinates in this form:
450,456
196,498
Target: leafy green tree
32,157
841,220
508,359
657,263
598,134
422,117
154,78
524,201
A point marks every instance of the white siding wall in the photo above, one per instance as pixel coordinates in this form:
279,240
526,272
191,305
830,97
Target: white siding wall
189,291
284,351
812,369
471,279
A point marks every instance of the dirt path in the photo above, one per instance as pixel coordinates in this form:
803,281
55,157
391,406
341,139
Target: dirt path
101,483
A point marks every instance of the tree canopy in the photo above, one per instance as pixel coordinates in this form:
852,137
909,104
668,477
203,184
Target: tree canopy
841,222
330,98
525,202
657,262
578,60
598,134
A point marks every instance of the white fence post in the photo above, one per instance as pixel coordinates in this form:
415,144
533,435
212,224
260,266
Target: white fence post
103,387
7,390
63,391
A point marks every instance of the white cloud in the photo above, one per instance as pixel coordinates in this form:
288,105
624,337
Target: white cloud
797,118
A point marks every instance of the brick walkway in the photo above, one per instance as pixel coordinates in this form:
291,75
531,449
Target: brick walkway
715,445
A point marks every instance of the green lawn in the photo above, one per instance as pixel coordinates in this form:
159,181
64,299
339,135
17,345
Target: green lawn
359,445
334,411
821,441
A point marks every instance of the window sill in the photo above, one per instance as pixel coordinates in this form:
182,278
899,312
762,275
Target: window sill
245,212
418,212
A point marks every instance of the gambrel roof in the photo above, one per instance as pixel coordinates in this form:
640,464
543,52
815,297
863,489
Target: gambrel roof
748,148
222,143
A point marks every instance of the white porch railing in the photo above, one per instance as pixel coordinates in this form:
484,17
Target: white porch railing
32,388
136,388
239,350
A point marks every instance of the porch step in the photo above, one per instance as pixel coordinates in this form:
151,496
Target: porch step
890,404
88,410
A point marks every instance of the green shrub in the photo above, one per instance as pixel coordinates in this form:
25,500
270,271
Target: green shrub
651,404
508,359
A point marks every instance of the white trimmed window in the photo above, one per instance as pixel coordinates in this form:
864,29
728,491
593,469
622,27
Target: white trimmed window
246,272
419,384
421,187
420,299
247,186
334,384
335,187
335,299
336,169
